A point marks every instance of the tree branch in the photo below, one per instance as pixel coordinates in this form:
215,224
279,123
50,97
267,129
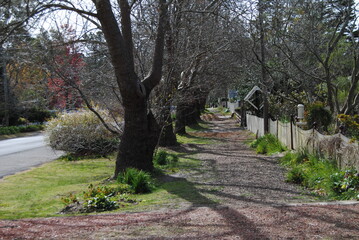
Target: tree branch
117,48
126,28
156,72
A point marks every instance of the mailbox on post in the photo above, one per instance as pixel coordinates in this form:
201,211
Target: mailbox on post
300,111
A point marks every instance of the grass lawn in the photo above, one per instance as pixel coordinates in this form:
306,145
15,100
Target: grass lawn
201,126
38,192
188,138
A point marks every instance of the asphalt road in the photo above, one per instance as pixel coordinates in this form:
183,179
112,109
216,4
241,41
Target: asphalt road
19,154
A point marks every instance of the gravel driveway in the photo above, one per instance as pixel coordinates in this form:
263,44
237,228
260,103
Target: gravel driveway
245,196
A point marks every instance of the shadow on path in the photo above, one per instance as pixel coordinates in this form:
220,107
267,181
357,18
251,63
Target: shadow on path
238,223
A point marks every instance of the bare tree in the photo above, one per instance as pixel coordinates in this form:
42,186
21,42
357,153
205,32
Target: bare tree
140,129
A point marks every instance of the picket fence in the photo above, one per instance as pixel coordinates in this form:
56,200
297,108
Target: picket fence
337,147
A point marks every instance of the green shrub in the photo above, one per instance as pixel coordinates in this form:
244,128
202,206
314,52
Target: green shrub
81,133
268,144
161,157
321,175
100,203
350,124
172,158
72,198
19,129
345,184
316,113
286,160
139,180
22,121
294,158
31,128
94,191
296,175
102,198
37,115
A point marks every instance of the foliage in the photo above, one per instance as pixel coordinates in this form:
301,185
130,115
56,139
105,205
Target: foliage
164,158
81,133
26,116
20,129
37,115
70,199
317,114
22,121
160,158
100,202
139,180
268,144
100,199
296,175
295,158
63,87
321,175
345,184
71,157
350,125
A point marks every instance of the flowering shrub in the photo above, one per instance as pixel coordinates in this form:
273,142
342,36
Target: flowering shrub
100,199
346,184
350,125
322,176
81,133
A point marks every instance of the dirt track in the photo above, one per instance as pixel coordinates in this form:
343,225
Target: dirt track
246,198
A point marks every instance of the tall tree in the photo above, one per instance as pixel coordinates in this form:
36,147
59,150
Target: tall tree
140,130
114,19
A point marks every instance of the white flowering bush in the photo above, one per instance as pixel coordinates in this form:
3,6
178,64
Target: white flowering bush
81,133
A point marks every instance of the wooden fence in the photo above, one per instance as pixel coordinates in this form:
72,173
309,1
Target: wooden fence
337,147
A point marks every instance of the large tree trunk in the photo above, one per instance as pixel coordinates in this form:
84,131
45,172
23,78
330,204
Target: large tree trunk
189,111
141,131
330,90
167,136
180,123
193,114
162,112
138,140
187,115
353,97
4,90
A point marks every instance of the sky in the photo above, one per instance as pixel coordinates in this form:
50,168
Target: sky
59,18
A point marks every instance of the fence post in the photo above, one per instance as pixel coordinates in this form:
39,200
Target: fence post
277,120
291,132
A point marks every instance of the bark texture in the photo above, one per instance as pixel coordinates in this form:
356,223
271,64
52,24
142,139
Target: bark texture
141,130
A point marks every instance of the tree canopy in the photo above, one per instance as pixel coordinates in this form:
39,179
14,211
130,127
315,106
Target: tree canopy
139,58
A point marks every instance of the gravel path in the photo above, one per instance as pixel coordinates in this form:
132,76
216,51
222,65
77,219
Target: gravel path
244,177
246,198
